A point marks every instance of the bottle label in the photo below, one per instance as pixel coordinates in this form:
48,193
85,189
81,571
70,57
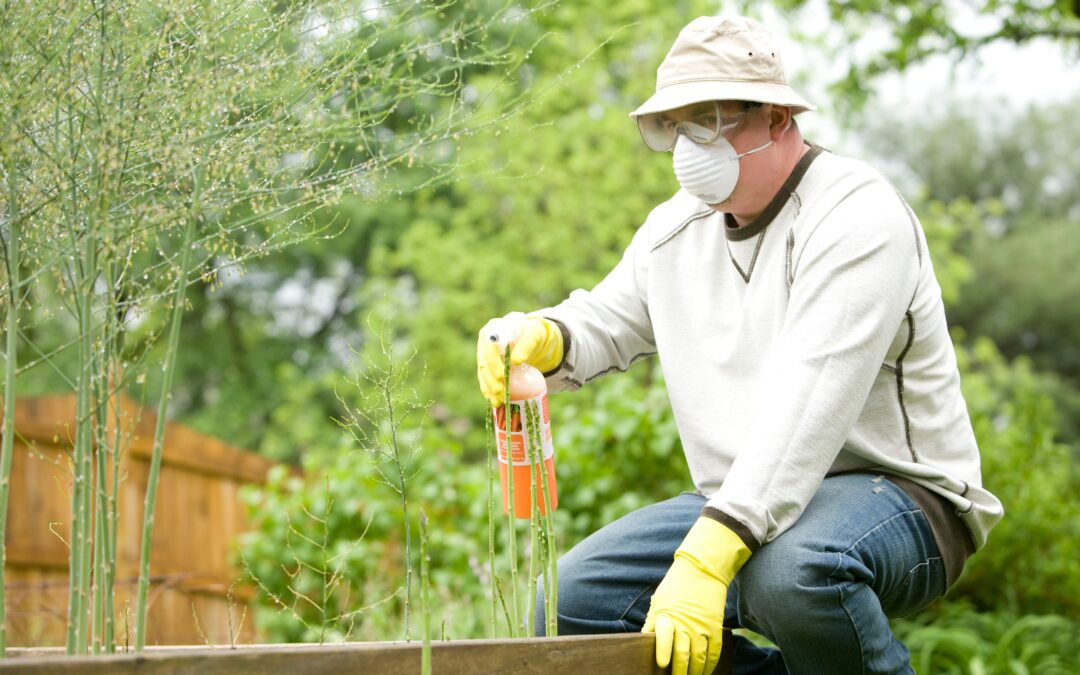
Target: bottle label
530,430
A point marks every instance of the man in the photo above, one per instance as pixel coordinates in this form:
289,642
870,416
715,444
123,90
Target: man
793,306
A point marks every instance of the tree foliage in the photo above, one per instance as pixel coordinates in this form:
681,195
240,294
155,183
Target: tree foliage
882,36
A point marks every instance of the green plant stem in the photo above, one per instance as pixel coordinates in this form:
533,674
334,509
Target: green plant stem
491,524
163,407
551,576
101,536
324,565
551,569
531,438
95,368
425,654
502,599
113,452
507,426
79,570
404,502
543,580
71,639
543,522
10,366
101,586
91,365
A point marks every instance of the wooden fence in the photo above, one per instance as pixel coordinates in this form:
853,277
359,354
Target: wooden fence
193,597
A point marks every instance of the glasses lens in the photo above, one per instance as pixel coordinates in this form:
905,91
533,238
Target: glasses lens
658,131
700,132
701,123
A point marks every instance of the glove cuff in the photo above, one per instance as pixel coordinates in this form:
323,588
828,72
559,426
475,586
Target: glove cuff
714,549
549,349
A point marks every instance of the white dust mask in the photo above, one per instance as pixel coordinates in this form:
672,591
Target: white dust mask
709,172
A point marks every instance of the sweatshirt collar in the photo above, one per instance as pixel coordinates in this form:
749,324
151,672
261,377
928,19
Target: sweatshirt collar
736,233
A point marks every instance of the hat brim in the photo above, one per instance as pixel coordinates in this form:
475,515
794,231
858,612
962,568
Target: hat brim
685,93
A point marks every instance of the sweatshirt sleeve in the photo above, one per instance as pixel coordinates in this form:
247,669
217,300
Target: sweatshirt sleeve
853,285
608,328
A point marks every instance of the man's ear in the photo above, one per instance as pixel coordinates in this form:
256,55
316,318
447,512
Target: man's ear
780,120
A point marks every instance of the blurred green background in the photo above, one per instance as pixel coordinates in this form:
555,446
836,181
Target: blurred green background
522,212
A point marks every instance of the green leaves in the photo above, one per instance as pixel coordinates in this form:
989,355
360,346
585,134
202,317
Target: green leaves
955,638
1032,561
879,37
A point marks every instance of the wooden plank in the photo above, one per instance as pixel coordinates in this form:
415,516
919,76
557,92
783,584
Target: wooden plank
36,606
51,420
628,653
40,493
192,450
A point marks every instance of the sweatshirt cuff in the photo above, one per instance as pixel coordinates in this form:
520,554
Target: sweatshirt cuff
736,526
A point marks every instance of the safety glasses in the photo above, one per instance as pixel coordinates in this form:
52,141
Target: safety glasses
702,123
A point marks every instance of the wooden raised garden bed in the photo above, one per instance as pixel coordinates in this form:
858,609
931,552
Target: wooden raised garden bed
627,654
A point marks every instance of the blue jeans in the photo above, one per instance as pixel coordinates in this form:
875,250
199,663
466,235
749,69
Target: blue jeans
823,591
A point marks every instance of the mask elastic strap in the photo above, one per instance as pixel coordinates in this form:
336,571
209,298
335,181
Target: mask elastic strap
750,152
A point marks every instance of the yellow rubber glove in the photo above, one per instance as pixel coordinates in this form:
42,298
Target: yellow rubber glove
687,610
539,343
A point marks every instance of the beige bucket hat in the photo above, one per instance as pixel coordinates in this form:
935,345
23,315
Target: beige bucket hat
722,59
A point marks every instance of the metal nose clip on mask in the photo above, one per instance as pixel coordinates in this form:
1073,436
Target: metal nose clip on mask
709,172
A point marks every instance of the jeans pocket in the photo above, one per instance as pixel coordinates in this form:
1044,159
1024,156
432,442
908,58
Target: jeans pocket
923,584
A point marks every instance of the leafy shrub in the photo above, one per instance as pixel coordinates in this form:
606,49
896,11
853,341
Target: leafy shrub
1032,560
957,639
319,551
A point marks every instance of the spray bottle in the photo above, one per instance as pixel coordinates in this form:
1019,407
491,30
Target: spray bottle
530,420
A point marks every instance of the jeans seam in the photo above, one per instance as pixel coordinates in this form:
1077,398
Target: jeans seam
632,603
875,529
843,606
854,623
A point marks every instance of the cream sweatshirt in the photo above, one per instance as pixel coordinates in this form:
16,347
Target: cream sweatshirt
811,341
